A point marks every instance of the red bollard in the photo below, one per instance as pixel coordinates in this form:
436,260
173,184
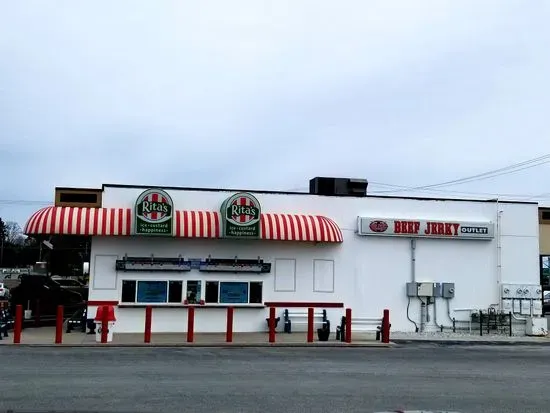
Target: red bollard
18,325
104,324
59,325
229,329
272,324
348,325
190,323
148,320
37,314
386,326
310,325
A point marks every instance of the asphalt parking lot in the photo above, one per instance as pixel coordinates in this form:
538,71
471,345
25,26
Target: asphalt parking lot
274,380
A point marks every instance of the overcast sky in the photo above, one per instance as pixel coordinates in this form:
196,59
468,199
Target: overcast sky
267,94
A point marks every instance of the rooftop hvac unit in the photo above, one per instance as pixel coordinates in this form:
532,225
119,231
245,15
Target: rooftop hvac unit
338,187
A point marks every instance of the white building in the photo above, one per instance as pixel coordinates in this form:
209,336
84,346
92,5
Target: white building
176,247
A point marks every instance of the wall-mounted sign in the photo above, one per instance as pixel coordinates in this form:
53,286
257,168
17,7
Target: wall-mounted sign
154,213
241,216
424,228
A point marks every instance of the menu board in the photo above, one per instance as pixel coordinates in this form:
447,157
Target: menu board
234,292
152,291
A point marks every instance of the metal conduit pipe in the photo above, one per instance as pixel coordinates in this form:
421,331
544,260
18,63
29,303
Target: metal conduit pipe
440,326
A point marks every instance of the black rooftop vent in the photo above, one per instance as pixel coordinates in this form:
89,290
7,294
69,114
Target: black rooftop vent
338,187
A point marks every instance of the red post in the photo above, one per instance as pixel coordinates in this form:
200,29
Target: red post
229,329
190,323
37,314
310,325
386,326
272,324
18,324
348,325
104,324
59,325
148,320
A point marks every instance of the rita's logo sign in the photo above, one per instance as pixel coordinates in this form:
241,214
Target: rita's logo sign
241,216
154,213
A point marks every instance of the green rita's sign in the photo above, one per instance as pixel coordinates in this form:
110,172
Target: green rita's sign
241,216
154,212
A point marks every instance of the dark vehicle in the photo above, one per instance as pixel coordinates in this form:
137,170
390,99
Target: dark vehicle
73,285
48,293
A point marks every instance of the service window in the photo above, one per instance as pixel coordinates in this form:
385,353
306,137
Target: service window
128,291
152,292
193,292
234,292
175,290
255,292
211,292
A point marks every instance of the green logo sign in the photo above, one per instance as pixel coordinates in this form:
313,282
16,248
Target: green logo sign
241,216
154,213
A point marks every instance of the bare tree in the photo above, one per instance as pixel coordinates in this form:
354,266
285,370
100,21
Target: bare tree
13,234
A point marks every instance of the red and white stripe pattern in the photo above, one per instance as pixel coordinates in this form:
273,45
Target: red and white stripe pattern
198,224
154,215
80,221
281,227
291,227
243,201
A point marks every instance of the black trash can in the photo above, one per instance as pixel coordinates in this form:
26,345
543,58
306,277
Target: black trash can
323,334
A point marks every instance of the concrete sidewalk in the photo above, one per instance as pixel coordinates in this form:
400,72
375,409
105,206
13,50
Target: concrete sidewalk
45,336
465,338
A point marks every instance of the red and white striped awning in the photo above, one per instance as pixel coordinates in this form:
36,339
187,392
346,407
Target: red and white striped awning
80,221
188,224
280,227
292,227
198,224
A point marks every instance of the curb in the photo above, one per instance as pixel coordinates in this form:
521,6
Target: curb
192,345
472,342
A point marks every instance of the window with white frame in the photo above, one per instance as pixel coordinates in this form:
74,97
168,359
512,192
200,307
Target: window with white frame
152,291
233,292
193,292
174,292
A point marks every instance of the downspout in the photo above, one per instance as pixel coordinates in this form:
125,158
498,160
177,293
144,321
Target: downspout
413,260
499,248
413,279
440,326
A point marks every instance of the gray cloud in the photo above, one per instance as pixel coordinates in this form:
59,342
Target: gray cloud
267,95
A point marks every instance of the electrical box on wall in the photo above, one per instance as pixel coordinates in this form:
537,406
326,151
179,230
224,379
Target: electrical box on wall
448,290
429,289
507,305
537,307
425,289
412,290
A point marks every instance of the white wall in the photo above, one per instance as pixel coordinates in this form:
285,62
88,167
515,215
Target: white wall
370,273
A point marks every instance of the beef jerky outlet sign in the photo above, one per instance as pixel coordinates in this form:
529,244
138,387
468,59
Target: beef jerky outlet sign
241,216
154,212
426,229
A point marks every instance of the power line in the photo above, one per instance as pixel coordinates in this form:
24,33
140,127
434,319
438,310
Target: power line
531,163
401,188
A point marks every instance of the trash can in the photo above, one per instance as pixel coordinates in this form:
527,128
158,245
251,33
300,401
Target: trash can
98,320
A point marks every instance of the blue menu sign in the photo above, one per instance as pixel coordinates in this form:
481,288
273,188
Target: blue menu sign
234,292
152,291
